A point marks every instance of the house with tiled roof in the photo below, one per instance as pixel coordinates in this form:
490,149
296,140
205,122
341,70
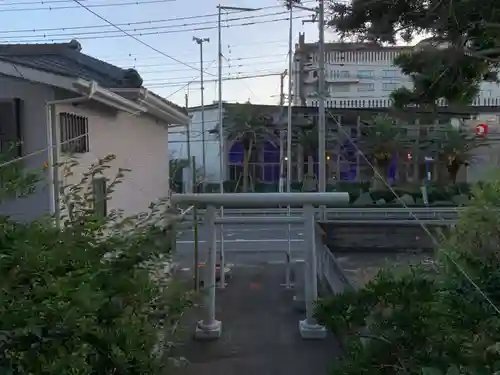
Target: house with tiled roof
57,102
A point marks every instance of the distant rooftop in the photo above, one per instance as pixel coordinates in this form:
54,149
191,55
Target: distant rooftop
340,46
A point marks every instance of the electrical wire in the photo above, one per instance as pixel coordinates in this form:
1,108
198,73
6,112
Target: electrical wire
414,216
136,29
167,71
137,2
183,86
50,8
361,94
145,22
134,37
188,83
248,75
424,227
47,2
393,81
187,52
42,150
132,34
236,59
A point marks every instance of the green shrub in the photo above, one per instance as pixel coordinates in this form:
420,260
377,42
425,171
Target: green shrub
433,320
90,298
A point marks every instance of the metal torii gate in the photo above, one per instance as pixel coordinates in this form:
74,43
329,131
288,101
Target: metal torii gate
209,327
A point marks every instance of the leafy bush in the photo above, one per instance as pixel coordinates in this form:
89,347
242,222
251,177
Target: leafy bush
439,320
15,181
91,297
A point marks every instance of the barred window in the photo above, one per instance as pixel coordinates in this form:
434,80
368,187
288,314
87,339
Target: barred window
74,133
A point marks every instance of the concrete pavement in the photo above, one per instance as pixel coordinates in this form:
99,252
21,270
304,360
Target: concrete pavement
260,334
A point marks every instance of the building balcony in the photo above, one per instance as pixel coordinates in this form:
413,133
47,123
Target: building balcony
341,80
309,66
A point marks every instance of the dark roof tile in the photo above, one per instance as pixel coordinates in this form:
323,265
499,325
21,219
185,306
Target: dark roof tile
67,59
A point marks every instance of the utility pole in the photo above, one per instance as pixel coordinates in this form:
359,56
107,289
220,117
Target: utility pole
282,88
222,138
200,42
320,13
288,271
220,9
222,153
321,99
188,132
282,133
192,177
289,117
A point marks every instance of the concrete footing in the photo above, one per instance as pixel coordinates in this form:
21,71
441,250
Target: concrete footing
208,332
310,331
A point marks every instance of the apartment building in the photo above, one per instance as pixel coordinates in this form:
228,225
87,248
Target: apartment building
358,75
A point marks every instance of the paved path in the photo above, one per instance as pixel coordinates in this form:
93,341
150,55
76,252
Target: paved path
260,332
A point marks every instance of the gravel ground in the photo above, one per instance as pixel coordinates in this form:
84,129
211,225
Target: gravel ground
360,268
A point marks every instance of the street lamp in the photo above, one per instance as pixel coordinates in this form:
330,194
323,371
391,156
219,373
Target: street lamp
221,130
220,116
200,42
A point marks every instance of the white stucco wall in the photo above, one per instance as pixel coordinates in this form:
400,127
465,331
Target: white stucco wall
140,144
34,145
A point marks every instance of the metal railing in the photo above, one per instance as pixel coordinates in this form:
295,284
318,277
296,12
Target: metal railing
209,327
350,214
329,270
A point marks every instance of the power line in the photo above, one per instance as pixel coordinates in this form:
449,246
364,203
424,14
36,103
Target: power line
135,29
131,56
422,224
133,23
134,37
363,88
191,81
44,2
360,94
132,33
50,8
185,84
165,71
229,75
236,59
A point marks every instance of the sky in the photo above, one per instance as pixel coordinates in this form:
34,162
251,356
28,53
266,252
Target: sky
254,43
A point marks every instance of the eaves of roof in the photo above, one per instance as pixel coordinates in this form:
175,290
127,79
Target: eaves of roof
66,59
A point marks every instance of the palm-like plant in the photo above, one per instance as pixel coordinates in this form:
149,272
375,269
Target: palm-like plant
249,125
382,139
453,148
307,137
